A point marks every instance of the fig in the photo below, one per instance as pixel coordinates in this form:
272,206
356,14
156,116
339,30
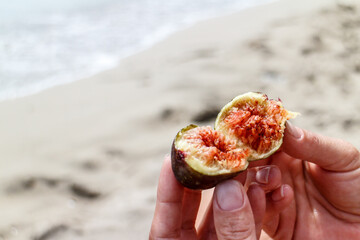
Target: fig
248,128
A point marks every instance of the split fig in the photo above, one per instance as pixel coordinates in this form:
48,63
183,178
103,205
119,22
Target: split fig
248,128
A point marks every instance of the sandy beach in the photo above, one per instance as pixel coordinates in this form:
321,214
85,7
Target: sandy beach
81,161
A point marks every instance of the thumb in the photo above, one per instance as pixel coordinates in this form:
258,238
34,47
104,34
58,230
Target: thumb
329,153
233,217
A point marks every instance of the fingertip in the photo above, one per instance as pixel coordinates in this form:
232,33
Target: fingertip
232,212
292,137
282,196
168,187
279,203
229,195
329,153
168,210
167,159
166,164
293,131
267,177
167,171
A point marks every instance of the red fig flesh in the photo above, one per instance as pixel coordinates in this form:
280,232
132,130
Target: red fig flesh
248,128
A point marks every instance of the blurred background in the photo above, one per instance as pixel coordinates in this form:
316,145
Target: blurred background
92,94
44,43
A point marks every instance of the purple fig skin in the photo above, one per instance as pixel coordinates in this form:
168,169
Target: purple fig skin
190,178
205,177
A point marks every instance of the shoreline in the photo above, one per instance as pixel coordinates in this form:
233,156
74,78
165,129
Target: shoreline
84,157
198,23
106,61
154,59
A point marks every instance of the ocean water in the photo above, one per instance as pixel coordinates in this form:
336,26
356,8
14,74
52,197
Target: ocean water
46,43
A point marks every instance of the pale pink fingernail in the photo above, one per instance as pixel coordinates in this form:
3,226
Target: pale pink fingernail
295,132
278,195
229,195
262,175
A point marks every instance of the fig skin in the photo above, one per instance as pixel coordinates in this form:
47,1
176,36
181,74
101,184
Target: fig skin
191,178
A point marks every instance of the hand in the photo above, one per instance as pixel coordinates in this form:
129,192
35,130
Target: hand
324,174
230,215
312,192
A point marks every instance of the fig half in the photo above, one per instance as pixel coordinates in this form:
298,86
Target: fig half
248,128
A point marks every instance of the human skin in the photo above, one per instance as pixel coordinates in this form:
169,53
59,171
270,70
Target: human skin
324,174
310,189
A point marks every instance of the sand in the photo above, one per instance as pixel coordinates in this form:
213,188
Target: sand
81,161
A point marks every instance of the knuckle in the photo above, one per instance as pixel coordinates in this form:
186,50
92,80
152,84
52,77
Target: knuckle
354,153
354,156
351,157
231,231
164,232
313,142
314,139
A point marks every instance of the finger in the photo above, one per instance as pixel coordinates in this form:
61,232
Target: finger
205,218
243,175
280,209
329,153
257,200
341,189
206,202
267,177
279,199
207,227
233,217
167,218
190,207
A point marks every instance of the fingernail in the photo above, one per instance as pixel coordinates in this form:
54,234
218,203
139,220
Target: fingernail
262,175
278,195
229,195
294,131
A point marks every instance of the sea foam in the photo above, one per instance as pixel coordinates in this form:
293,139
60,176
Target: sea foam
47,43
